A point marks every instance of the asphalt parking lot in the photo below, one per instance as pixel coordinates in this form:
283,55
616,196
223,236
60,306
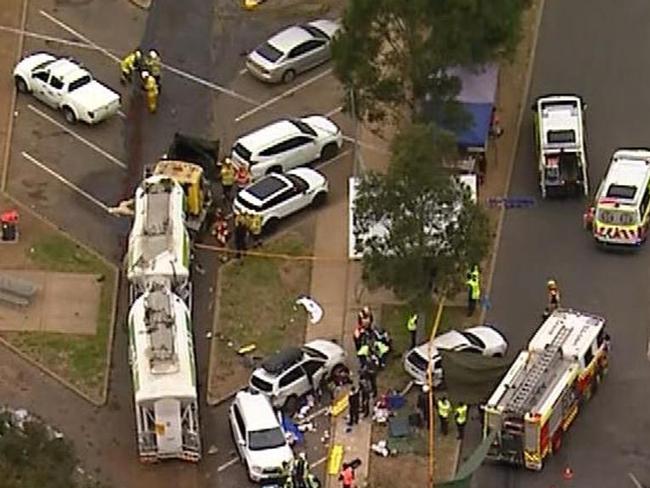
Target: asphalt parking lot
71,174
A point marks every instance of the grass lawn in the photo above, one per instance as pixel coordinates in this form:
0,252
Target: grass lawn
79,359
256,306
393,319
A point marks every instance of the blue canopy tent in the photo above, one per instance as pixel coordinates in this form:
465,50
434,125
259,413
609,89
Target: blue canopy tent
477,96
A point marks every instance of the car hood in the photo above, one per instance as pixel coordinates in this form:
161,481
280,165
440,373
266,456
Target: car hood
313,178
332,350
322,125
271,458
30,62
449,340
94,95
423,351
329,27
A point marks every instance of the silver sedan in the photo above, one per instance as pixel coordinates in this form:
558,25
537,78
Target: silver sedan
292,51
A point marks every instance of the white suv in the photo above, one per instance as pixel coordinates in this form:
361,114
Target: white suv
284,377
259,437
277,196
287,144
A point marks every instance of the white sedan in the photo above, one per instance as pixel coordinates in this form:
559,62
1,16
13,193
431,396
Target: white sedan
482,339
64,84
277,196
287,144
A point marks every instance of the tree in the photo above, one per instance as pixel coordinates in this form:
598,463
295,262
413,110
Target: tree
391,53
432,231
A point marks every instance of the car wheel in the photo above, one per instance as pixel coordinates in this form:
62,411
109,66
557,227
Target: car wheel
69,115
288,76
320,199
21,85
329,152
274,169
498,355
291,405
271,225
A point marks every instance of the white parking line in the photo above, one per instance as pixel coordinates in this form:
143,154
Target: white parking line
242,71
335,158
121,114
46,38
83,140
227,464
634,480
319,462
177,71
334,111
67,183
285,94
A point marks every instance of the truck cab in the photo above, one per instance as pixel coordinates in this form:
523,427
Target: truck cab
559,136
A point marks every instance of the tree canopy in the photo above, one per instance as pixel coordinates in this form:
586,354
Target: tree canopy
432,231
391,53
33,455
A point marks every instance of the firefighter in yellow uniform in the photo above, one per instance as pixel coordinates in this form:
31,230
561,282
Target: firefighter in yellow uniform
129,64
153,65
255,227
151,87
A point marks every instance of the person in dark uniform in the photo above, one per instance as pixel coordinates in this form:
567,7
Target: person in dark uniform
353,406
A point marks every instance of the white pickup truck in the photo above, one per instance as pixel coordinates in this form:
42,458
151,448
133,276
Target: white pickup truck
64,84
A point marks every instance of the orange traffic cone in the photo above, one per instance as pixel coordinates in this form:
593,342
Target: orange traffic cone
568,473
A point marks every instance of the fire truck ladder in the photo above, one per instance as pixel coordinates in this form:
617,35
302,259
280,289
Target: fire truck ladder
530,386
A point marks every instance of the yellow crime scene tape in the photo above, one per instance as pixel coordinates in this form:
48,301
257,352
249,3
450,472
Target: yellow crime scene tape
335,459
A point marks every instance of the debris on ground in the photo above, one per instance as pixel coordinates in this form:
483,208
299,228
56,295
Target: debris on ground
314,310
213,449
381,448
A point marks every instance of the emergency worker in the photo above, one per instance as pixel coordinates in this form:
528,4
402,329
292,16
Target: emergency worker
473,290
227,175
412,327
129,64
255,228
151,87
443,405
460,416
153,65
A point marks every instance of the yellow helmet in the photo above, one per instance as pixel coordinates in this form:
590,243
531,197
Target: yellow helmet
551,284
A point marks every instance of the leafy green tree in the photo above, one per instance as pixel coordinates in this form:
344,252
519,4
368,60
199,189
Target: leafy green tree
391,53
432,231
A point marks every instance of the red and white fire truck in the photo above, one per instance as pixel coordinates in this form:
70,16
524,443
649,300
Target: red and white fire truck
546,387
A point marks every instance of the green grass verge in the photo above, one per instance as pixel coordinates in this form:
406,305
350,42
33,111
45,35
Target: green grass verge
79,359
257,306
393,319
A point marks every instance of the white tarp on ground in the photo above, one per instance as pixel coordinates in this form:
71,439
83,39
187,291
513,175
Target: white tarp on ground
378,229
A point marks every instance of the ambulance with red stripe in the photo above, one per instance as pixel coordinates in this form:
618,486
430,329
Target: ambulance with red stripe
546,388
621,212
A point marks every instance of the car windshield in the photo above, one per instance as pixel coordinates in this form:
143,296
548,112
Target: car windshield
261,384
315,31
266,439
473,339
43,64
561,136
300,184
313,352
268,52
79,82
303,127
242,152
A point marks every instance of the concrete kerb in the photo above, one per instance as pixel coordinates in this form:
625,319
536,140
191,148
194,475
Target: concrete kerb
111,332
513,153
12,104
143,4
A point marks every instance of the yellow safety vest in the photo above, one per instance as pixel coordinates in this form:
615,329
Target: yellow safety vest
381,348
153,66
363,350
255,224
412,323
461,414
227,175
128,63
444,408
151,86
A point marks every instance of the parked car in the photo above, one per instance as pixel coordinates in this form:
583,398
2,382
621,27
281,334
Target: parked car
292,51
259,437
287,144
277,196
64,84
284,377
482,339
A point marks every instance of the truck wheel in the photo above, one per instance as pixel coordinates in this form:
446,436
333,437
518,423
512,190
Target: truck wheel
69,115
21,86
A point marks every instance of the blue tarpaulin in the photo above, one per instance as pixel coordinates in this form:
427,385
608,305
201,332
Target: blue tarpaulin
289,426
476,135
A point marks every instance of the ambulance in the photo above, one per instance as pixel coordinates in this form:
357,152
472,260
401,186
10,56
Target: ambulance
620,212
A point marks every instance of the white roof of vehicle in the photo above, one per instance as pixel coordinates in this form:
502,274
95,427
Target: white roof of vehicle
289,38
561,113
261,138
162,340
67,70
257,411
584,330
627,168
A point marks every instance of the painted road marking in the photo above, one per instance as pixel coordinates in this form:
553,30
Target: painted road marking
83,140
634,479
46,38
177,71
329,161
282,95
319,462
67,183
334,111
227,464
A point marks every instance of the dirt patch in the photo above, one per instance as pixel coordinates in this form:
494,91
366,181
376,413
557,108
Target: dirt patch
257,307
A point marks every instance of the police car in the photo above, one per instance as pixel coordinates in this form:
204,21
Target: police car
620,213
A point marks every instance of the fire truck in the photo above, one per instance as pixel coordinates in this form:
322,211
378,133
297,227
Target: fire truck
546,388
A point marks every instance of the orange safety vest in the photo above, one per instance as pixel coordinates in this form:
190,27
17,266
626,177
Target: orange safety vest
347,476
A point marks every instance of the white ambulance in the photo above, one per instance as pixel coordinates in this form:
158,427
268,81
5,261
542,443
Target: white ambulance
620,212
